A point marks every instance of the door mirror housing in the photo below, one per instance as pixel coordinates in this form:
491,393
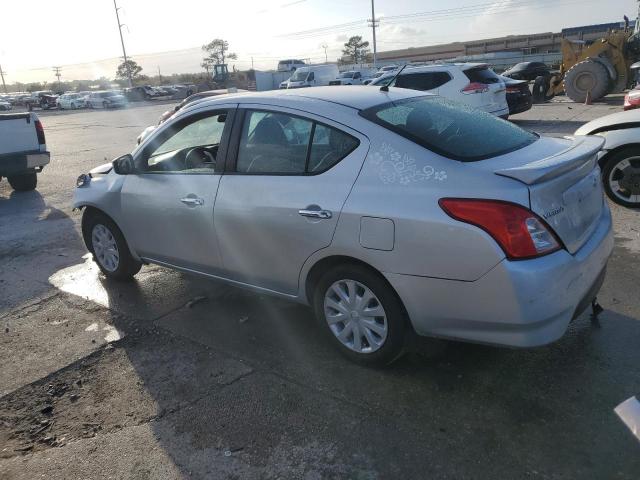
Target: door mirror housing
124,165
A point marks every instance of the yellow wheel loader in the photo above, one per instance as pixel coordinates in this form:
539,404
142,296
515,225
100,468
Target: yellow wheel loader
594,70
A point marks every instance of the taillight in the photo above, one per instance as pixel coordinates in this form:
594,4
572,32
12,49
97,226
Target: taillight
40,132
475,87
519,232
513,89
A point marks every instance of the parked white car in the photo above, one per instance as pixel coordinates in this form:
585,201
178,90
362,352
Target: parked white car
107,99
71,101
313,76
620,157
473,84
389,212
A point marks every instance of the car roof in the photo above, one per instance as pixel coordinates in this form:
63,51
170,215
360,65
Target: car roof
353,96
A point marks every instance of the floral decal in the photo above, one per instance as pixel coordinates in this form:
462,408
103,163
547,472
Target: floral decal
396,167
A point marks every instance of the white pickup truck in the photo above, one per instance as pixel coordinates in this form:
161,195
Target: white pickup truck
23,150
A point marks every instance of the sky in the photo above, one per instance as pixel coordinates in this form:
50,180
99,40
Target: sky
82,36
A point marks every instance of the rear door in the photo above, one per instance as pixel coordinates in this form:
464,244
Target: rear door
281,196
492,97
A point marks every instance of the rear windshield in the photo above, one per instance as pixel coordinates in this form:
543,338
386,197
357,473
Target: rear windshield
482,75
451,129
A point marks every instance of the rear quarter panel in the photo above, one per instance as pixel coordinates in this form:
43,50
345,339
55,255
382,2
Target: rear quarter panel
402,182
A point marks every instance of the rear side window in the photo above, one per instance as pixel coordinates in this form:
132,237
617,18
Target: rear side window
451,129
482,75
279,143
422,81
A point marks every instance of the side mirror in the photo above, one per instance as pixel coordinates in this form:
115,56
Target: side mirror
124,165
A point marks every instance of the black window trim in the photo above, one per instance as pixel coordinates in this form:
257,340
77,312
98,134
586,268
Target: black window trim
370,114
223,149
236,135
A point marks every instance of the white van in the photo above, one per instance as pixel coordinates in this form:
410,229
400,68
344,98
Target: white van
290,65
313,76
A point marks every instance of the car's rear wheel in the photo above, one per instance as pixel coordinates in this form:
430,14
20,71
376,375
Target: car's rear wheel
108,246
24,182
621,175
362,314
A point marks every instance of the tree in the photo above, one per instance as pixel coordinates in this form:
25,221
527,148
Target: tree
356,49
207,64
216,53
122,72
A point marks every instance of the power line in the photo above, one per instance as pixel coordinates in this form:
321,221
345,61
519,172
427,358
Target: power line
57,71
124,52
2,74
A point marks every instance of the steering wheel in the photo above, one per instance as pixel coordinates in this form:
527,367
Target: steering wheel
197,157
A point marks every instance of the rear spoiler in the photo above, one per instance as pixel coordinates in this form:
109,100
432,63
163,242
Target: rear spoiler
583,149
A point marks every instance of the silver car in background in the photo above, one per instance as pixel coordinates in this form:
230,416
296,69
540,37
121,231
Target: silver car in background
387,212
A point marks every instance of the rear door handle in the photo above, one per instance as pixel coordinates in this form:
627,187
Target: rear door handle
324,214
192,201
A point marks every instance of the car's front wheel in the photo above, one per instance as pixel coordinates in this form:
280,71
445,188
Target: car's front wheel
362,314
108,246
621,175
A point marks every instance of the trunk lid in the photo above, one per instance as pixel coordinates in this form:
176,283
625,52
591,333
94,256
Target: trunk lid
564,185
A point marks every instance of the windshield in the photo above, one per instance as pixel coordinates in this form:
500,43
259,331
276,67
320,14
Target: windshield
347,75
451,129
299,76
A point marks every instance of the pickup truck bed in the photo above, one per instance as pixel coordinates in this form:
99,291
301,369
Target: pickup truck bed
23,150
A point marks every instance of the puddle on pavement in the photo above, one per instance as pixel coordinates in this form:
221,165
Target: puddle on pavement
82,280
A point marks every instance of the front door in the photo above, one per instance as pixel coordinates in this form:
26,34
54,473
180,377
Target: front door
168,206
281,200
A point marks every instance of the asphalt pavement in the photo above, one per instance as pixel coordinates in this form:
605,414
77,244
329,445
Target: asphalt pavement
173,376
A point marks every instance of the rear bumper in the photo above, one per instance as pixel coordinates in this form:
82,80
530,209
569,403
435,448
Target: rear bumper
17,163
518,303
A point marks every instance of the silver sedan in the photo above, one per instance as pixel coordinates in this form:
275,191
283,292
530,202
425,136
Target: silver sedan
388,212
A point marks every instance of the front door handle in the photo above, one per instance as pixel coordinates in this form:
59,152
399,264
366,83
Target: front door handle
192,201
324,214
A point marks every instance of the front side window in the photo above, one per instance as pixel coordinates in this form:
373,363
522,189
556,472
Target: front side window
451,129
279,143
191,147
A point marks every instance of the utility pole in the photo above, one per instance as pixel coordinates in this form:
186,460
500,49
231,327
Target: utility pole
124,52
374,24
251,63
4,85
57,73
326,58
159,76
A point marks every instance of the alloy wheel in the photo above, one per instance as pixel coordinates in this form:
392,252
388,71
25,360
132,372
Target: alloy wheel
624,180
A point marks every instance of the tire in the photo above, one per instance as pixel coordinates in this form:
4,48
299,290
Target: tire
24,182
622,182
586,76
390,344
102,236
540,88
